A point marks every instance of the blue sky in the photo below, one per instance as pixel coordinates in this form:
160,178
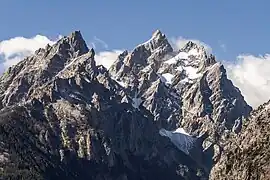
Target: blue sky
236,30
242,26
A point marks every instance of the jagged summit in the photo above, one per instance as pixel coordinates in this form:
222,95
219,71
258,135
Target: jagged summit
67,47
193,45
158,35
75,44
158,42
76,34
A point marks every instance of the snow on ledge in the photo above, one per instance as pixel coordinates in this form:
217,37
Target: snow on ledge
181,55
180,138
167,78
136,102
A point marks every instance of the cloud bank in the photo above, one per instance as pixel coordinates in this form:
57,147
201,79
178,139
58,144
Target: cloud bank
249,73
14,50
106,58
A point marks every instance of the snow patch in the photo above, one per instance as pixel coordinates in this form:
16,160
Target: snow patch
236,126
181,55
121,83
192,72
180,138
66,66
167,78
180,68
146,69
136,102
182,131
193,52
86,79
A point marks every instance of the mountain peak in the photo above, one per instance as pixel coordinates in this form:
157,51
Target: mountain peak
157,40
76,34
74,43
157,34
92,52
196,46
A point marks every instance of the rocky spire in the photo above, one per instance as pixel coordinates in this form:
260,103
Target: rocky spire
114,69
158,40
145,54
72,45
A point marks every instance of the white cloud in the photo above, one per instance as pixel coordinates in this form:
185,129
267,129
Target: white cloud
106,58
252,76
14,50
179,42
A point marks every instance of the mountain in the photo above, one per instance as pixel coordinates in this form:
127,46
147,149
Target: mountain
187,88
156,113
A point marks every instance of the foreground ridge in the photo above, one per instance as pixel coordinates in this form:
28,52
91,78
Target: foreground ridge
246,156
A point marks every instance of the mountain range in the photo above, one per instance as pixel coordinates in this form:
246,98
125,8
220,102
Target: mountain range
156,113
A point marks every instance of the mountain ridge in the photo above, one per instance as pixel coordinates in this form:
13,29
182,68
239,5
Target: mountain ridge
76,112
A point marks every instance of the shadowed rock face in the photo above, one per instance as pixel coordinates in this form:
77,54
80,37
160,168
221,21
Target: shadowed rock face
62,116
246,155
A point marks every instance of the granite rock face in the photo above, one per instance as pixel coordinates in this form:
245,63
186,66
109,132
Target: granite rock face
157,113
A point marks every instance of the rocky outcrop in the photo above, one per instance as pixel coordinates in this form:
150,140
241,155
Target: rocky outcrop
246,155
